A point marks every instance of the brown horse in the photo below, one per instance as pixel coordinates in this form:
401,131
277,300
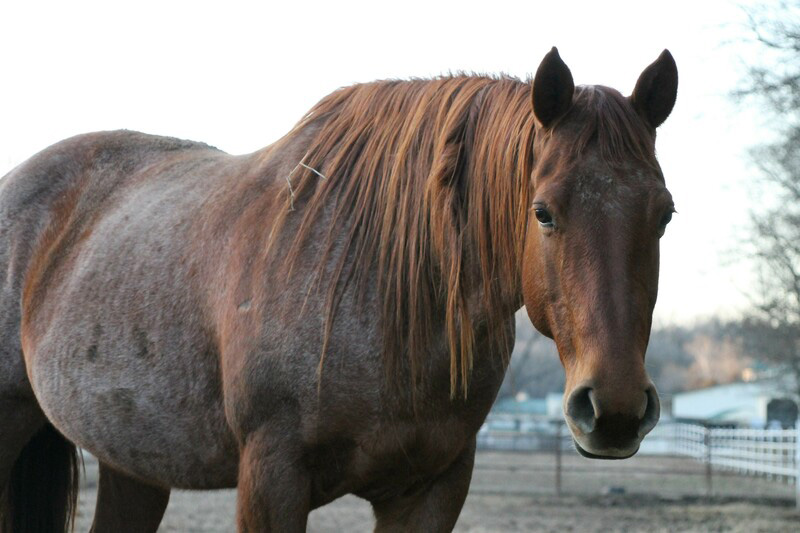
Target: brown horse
334,313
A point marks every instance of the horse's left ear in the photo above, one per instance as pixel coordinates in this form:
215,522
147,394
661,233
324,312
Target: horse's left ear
656,90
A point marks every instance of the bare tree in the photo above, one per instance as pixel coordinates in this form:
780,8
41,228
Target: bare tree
678,358
772,330
534,367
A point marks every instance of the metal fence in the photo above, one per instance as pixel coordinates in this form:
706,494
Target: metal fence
769,453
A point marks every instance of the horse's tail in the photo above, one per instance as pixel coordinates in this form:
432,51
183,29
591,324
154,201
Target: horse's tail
42,494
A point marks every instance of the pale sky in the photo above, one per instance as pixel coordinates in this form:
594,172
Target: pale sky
237,75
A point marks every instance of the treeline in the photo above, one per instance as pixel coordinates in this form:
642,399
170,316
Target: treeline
678,358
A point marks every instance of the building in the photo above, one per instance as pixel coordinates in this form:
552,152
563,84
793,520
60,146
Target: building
751,404
520,405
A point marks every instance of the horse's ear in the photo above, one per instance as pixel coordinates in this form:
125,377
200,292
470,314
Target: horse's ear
655,91
552,89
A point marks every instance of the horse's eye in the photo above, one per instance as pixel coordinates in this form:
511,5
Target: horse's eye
664,221
544,217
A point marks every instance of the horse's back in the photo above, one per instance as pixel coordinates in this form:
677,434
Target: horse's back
119,353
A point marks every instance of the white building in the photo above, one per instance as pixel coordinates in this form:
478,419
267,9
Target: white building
751,404
554,401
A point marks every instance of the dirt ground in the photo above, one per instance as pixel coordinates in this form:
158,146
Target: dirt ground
516,492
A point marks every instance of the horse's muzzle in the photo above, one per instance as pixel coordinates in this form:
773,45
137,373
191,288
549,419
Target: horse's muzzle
605,427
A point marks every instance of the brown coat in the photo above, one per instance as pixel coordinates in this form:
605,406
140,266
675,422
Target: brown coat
334,313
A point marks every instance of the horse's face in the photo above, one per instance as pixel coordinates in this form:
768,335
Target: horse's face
590,269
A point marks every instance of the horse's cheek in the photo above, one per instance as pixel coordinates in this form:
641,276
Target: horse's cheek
534,291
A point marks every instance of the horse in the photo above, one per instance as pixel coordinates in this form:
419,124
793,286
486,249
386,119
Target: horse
331,314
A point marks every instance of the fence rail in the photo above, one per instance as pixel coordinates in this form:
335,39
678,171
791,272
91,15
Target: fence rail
768,453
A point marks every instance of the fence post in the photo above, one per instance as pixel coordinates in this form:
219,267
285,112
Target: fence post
797,463
558,458
707,443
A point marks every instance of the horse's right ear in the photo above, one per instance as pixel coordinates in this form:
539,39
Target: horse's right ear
552,89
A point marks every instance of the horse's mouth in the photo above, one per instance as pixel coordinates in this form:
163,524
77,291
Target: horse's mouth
591,455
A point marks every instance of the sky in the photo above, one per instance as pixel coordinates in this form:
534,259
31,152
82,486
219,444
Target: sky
238,75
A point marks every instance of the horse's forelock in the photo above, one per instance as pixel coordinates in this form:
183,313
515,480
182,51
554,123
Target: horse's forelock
606,120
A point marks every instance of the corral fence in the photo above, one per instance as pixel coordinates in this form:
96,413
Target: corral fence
771,454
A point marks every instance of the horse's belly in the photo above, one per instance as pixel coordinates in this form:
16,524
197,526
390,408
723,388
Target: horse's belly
157,419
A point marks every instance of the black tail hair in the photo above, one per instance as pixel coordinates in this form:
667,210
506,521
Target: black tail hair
42,494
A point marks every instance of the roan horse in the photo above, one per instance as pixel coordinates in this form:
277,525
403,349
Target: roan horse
332,314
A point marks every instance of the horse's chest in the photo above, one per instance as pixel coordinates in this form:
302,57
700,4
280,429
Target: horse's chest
388,461
394,456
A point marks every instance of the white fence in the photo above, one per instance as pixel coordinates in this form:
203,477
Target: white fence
769,453
766,452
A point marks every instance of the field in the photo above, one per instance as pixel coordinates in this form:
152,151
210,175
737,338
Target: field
516,492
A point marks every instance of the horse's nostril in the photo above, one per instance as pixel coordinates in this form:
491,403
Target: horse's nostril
651,413
581,409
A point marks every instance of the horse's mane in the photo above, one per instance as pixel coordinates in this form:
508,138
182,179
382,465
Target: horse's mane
390,163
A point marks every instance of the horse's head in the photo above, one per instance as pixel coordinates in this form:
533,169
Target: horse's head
590,269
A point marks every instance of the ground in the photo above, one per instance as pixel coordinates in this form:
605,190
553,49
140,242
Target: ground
516,492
